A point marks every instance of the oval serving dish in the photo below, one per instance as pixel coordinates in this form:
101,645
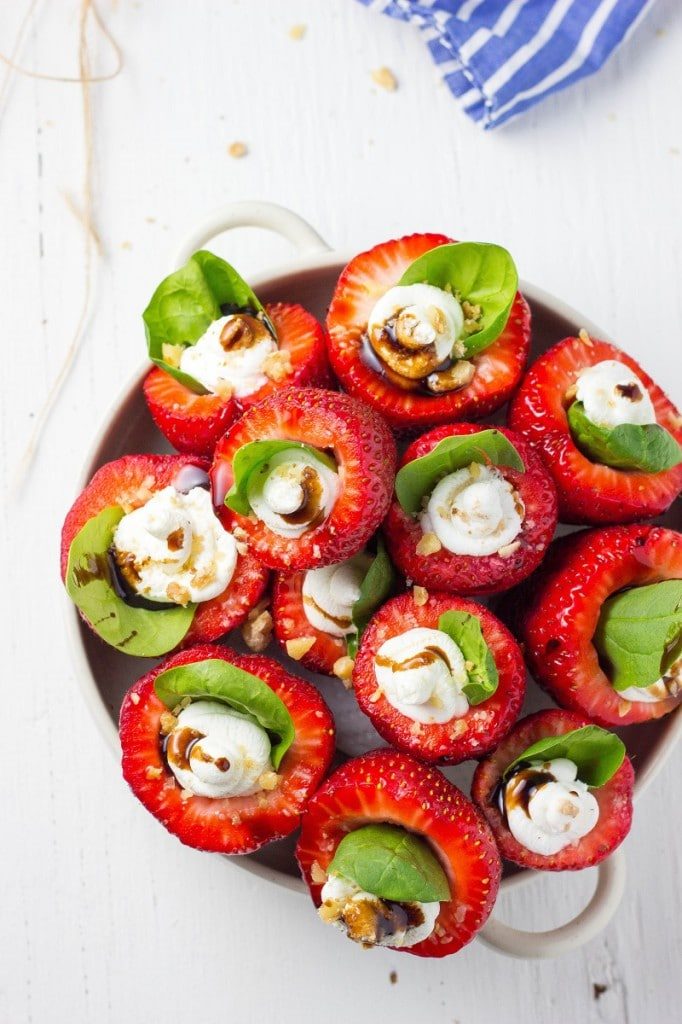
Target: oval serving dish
104,674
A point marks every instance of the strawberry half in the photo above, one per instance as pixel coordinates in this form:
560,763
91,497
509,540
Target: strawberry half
588,491
469,574
232,824
292,623
194,423
556,613
366,278
130,482
387,786
461,738
614,798
364,450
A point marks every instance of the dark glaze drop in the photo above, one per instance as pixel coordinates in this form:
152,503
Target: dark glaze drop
426,657
371,921
631,391
372,360
523,791
310,510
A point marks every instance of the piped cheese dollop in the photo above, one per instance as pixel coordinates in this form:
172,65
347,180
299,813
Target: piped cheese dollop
418,316
474,511
215,751
330,592
421,673
231,352
372,921
612,394
547,807
293,492
174,548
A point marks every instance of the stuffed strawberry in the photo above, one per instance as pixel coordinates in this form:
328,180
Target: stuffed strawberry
319,614
395,855
305,477
439,677
148,563
474,510
608,435
218,351
224,750
557,792
429,331
601,623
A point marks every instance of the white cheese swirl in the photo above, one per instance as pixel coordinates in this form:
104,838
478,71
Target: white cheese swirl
421,673
418,315
474,511
174,548
215,751
363,916
293,492
214,362
612,394
553,813
329,594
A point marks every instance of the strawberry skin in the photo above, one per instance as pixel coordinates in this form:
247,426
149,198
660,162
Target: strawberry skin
364,449
194,423
387,786
236,824
130,481
558,609
614,798
366,278
590,492
467,574
291,623
477,732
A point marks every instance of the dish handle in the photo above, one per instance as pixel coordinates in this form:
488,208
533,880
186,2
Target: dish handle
253,214
588,923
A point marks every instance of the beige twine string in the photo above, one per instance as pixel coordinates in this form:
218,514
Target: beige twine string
90,234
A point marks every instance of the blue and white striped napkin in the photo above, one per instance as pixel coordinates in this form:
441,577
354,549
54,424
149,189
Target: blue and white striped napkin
500,57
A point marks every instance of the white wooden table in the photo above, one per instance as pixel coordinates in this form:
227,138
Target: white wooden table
104,917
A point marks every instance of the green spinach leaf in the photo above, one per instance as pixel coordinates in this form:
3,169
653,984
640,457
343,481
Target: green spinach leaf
378,583
465,630
649,448
597,753
391,863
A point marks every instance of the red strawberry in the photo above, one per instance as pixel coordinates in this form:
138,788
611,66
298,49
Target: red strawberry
366,278
468,574
130,481
194,423
291,623
588,491
482,726
387,786
614,798
364,450
558,609
235,824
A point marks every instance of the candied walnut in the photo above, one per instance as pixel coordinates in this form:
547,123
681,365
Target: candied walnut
420,596
459,375
277,366
299,646
167,722
385,79
428,544
177,594
171,354
257,630
343,668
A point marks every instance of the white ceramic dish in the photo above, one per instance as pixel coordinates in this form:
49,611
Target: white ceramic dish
104,674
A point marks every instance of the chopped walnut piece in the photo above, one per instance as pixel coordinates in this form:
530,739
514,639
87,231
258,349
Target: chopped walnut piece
257,630
269,781
167,722
624,707
428,544
177,594
237,150
135,698
570,393
318,875
343,668
507,550
329,911
299,646
171,353
374,697
420,596
471,310
385,78
459,728
223,389
585,338
185,795
415,728
277,366
153,772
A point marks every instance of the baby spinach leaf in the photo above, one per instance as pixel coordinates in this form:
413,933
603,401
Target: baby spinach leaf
91,585
477,272
597,753
215,679
391,863
637,631
378,583
649,448
252,457
187,302
419,477
465,630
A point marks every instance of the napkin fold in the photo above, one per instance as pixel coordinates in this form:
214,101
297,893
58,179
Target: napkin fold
501,57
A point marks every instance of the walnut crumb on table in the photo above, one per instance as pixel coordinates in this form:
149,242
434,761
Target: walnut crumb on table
385,79
420,596
343,668
237,150
257,630
297,32
299,646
